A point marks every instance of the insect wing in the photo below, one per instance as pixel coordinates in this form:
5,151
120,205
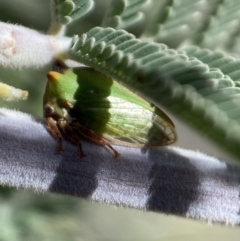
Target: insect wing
133,125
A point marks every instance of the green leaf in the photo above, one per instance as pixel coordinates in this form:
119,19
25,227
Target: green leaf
228,65
204,97
197,22
65,11
173,22
223,25
124,13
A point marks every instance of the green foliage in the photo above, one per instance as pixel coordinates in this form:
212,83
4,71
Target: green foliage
124,13
25,216
197,82
200,85
192,89
66,11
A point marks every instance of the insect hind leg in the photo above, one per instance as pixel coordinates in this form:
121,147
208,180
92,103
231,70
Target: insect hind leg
116,153
90,135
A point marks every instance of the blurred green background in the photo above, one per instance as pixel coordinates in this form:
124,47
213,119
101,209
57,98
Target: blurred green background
25,215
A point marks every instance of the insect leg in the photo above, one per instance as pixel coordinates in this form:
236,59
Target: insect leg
71,135
102,141
116,153
89,134
53,129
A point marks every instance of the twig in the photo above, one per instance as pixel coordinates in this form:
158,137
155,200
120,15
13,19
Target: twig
168,180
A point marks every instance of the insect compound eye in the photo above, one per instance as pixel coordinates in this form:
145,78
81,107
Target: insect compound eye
48,110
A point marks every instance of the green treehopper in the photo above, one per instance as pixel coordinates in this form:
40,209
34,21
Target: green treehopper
82,102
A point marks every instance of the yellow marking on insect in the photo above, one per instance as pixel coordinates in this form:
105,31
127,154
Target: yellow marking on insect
53,76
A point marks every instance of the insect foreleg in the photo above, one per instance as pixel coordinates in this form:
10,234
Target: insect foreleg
53,129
